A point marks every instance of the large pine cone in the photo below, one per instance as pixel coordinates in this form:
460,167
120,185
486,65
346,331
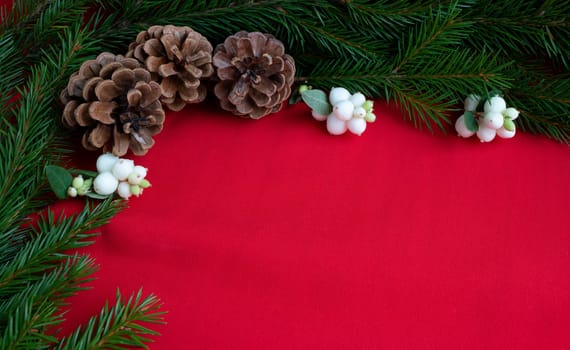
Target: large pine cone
255,74
114,100
178,59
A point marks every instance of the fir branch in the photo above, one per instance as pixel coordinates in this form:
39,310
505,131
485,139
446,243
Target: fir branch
10,75
36,25
39,304
47,243
56,285
523,27
24,327
118,327
28,145
424,108
433,38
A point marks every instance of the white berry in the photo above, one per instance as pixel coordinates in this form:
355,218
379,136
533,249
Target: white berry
343,110
105,183
486,134
359,112
356,126
461,127
358,99
471,103
72,191
492,120
370,117
338,94
124,190
105,162
495,104
136,176
318,116
511,113
122,168
136,190
140,170
506,134
335,126
77,182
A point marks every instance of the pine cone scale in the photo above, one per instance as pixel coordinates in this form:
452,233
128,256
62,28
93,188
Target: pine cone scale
260,99
107,90
274,47
68,115
100,135
101,111
134,97
89,88
153,47
107,70
258,41
265,86
167,70
121,143
222,60
81,115
276,66
149,93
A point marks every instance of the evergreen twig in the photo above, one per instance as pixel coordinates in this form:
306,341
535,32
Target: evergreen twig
119,326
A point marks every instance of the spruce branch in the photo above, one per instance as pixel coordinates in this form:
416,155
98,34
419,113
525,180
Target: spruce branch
24,329
523,27
29,141
44,250
10,75
118,327
423,108
434,37
35,25
42,300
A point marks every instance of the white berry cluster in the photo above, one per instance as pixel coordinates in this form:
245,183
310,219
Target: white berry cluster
120,175
349,112
114,175
496,119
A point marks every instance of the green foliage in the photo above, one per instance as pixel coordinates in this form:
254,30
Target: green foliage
118,326
426,56
41,44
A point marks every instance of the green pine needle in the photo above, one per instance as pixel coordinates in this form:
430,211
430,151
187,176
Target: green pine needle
118,327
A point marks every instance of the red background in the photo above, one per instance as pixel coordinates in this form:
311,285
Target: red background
272,234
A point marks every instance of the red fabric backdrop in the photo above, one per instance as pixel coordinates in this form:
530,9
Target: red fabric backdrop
272,234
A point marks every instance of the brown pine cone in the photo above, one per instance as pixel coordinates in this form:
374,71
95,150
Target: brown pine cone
115,102
178,59
255,74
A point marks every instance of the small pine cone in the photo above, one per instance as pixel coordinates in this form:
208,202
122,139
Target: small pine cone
178,58
115,102
255,74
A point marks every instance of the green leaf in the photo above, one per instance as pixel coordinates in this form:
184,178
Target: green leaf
470,121
59,180
95,195
86,173
508,124
317,100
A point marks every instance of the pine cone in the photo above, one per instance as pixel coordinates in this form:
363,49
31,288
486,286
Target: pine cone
255,74
114,100
178,59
